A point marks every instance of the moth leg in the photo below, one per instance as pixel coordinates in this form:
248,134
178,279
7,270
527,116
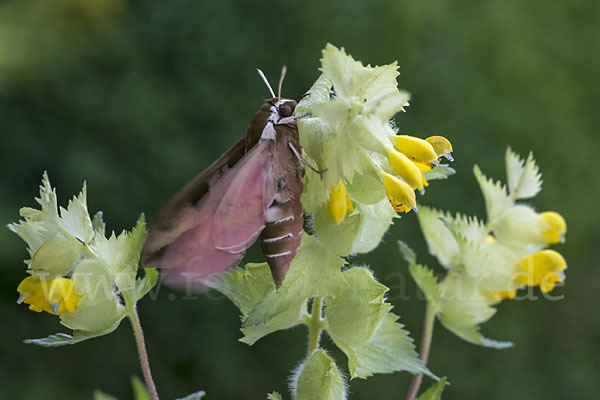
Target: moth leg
303,161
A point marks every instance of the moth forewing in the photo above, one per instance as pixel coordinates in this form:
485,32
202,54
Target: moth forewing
253,189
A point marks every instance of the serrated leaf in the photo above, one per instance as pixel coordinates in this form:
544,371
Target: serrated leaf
121,254
440,240
524,177
75,219
274,396
428,283
319,379
468,228
465,307
38,225
390,349
100,395
314,272
140,392
143,285
62,339
442,171
283,320
194,396
247,286
98,224
352,317
435,391
496,198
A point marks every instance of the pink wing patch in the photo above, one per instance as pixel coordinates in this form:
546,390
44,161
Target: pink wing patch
225,223
240,218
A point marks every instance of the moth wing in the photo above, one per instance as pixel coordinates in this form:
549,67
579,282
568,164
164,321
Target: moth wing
184,245
240,216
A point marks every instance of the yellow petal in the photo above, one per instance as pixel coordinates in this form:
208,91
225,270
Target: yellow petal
415,148
54,296
543,268
441,146
405,168
399,193
339,203
558,227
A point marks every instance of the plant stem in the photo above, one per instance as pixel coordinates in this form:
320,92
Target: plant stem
315,325
424,349
141,346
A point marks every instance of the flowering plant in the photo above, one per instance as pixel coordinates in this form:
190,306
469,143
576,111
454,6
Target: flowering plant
370,172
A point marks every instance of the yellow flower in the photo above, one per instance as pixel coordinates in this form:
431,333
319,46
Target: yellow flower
54,296
339,203
399,193
441,146
415,148
544,268
558,227
407,169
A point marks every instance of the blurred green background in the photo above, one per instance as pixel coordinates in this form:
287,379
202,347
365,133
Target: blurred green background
138,96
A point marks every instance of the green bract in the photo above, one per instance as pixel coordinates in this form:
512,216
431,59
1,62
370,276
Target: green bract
318,378
487,262
69,245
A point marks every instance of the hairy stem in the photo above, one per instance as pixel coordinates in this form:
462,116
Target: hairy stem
423,350
141,346
315,325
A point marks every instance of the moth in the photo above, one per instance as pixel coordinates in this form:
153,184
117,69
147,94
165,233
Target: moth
252,191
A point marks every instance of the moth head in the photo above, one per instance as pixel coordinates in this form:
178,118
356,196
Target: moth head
286,107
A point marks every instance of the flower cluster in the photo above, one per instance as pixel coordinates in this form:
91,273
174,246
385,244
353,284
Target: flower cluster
75,272
488,262
371,171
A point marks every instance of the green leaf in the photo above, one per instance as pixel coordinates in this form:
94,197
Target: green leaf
274,396
390,349
283,320
62,339
75,219
407,253
428,283
440,240
524,177
496,198
38,225
360,324
315,271
121,254
352,317
98,224
194,396
319,379
140,392
143,285
247,286
465,307
100,395
435,391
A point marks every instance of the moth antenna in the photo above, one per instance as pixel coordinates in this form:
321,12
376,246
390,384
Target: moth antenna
283,71
264,78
